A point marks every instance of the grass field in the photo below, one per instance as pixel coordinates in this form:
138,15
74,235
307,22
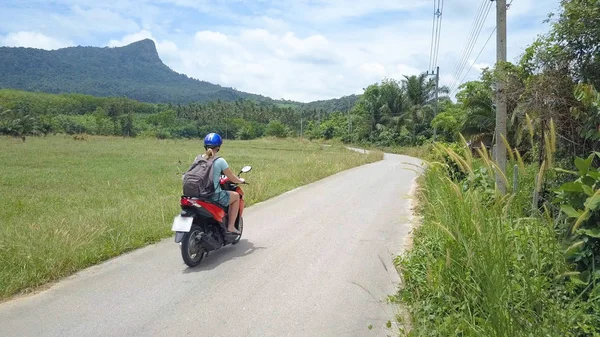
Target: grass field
67,204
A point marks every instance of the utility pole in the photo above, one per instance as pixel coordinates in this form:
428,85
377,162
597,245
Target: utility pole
437,85
500,94
348,112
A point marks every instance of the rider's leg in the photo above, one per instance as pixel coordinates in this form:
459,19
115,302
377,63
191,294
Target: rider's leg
234,206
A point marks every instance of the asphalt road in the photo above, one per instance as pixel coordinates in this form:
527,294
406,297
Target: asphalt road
316,261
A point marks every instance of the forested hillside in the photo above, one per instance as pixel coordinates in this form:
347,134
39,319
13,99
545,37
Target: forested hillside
135,71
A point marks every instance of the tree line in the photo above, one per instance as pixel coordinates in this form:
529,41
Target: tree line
25,113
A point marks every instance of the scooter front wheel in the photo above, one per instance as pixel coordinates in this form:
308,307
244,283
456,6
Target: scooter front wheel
239,227
191,250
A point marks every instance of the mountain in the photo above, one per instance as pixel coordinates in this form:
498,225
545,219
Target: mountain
135,71
336,104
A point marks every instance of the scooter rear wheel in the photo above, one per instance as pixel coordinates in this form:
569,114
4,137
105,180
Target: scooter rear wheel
191,250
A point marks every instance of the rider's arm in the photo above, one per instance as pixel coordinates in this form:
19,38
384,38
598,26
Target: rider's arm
232,177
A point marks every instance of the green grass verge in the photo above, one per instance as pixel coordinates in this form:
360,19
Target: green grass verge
478,267
68,204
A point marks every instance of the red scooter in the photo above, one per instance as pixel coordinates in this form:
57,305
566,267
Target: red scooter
201,226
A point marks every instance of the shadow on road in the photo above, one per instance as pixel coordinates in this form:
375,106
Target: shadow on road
215,258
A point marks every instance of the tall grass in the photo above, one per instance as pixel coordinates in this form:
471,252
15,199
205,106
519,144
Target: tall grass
67,204
478,267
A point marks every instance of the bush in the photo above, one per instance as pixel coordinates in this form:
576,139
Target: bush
478,270
579,201
446,153
276,129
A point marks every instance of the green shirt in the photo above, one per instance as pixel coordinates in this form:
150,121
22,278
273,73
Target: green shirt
219,166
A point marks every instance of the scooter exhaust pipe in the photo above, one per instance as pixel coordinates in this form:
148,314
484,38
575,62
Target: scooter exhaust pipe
209,243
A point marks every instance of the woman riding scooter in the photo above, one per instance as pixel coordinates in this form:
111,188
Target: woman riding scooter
212,145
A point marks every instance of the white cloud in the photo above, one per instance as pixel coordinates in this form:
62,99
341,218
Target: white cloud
33,40
334,10
211,37
84,22
104,20
403,69
373,69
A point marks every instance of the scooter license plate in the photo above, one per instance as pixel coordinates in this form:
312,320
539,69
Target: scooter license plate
182,223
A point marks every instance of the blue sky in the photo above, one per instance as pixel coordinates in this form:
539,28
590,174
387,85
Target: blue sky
302,50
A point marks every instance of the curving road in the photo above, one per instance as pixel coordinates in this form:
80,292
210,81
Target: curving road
316,261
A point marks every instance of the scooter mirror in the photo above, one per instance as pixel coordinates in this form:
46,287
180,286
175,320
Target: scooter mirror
246,169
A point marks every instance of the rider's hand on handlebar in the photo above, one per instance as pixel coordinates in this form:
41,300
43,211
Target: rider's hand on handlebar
243,180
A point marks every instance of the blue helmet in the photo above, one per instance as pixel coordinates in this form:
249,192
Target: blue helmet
213,140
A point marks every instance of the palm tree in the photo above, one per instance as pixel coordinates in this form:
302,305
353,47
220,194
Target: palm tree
420,91
477,99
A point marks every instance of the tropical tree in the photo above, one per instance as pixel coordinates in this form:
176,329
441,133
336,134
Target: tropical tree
420,90
17,123
476,98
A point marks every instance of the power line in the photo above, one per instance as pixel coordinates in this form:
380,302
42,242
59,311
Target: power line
441,17
436,31
474,35
478,55
472,45
470,36
474,62
432,35
466,60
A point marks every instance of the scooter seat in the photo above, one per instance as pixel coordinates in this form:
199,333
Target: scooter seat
212,202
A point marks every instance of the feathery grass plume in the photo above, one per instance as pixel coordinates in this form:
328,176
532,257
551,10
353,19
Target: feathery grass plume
485,151
459,161
448,260
548,147
445,230
429,277
500,173
567,274
530,127
548,217
484,155
519,135
520,161
574,247
552,135
488,163
506,200
508,148
476,225
540,177
439,149
455,187
468,156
